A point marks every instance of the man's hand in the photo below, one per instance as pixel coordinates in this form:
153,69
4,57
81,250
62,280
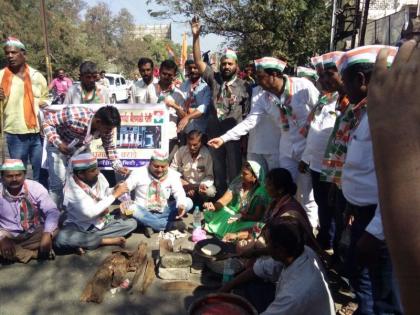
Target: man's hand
7,249
63,148
181,212
123,171
45,246
202,188
2,95
120,189
183,123
216,142
303,167
169,101
209,206
195,26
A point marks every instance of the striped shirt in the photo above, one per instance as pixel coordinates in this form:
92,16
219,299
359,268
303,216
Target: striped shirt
74,122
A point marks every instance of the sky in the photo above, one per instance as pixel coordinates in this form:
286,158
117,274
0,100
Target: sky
138,9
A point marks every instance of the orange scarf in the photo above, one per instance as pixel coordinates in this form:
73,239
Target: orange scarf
28,99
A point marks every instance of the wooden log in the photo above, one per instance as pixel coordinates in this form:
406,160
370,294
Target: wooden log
138,257
99,283
149,275
186,286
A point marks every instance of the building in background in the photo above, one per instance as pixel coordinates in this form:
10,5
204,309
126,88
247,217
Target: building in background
158,31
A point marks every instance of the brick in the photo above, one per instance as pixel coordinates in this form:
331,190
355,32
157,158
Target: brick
176,260
174,273
165,246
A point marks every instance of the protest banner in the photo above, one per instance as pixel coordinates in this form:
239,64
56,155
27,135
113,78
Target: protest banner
143,129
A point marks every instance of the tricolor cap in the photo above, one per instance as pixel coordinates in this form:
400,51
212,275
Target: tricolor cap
316,61
270,63
12,165
365,54
83,161
303,72
330,59
231,54
160,155
13,42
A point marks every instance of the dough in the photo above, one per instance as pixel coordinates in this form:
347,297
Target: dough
211,249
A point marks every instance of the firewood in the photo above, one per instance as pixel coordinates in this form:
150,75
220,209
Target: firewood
149,275
99,283
138,257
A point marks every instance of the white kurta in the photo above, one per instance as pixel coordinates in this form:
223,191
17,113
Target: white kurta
140,180
81,208
318,135
358,178
301,288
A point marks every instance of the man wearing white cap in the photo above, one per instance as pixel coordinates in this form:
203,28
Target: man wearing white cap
87,197
317,130
153,185
230,104
370,269
23,91
28,216
288,102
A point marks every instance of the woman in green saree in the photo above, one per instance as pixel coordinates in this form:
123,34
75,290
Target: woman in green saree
242,205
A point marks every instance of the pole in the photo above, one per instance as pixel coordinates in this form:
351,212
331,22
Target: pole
418,8
3,140
46,45
364,23
333,21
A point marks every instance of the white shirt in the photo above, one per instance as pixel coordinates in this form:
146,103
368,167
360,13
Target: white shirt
301,288
292,143
358,178
82,209
319,134
140,180
375,226
262,125
258,141
141,93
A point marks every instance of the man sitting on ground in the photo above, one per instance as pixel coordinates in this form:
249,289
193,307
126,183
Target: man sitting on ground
154,185
28,216
195,164
87,198
300,284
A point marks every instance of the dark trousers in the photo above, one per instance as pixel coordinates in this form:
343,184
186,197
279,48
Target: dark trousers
358,274
374,284
326,211
227,163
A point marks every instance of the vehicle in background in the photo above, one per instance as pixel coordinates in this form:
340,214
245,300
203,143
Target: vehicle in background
118,88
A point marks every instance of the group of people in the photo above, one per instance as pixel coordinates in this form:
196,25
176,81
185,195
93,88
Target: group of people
281,165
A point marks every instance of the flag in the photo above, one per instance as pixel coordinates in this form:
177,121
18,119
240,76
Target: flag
183,50
171,53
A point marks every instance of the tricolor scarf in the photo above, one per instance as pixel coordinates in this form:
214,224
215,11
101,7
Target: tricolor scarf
28,97
156,199
325,99
94,195
336,152
286,111
191,96
164,93
28,210
225,99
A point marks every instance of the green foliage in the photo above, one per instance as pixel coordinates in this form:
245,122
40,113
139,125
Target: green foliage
294,29
98,35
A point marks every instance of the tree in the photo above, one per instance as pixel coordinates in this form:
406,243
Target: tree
295,29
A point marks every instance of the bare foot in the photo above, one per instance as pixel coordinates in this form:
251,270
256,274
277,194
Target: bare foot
116,241
80,251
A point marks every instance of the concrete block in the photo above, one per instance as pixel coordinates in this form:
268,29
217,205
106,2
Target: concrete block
174,273
176,260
